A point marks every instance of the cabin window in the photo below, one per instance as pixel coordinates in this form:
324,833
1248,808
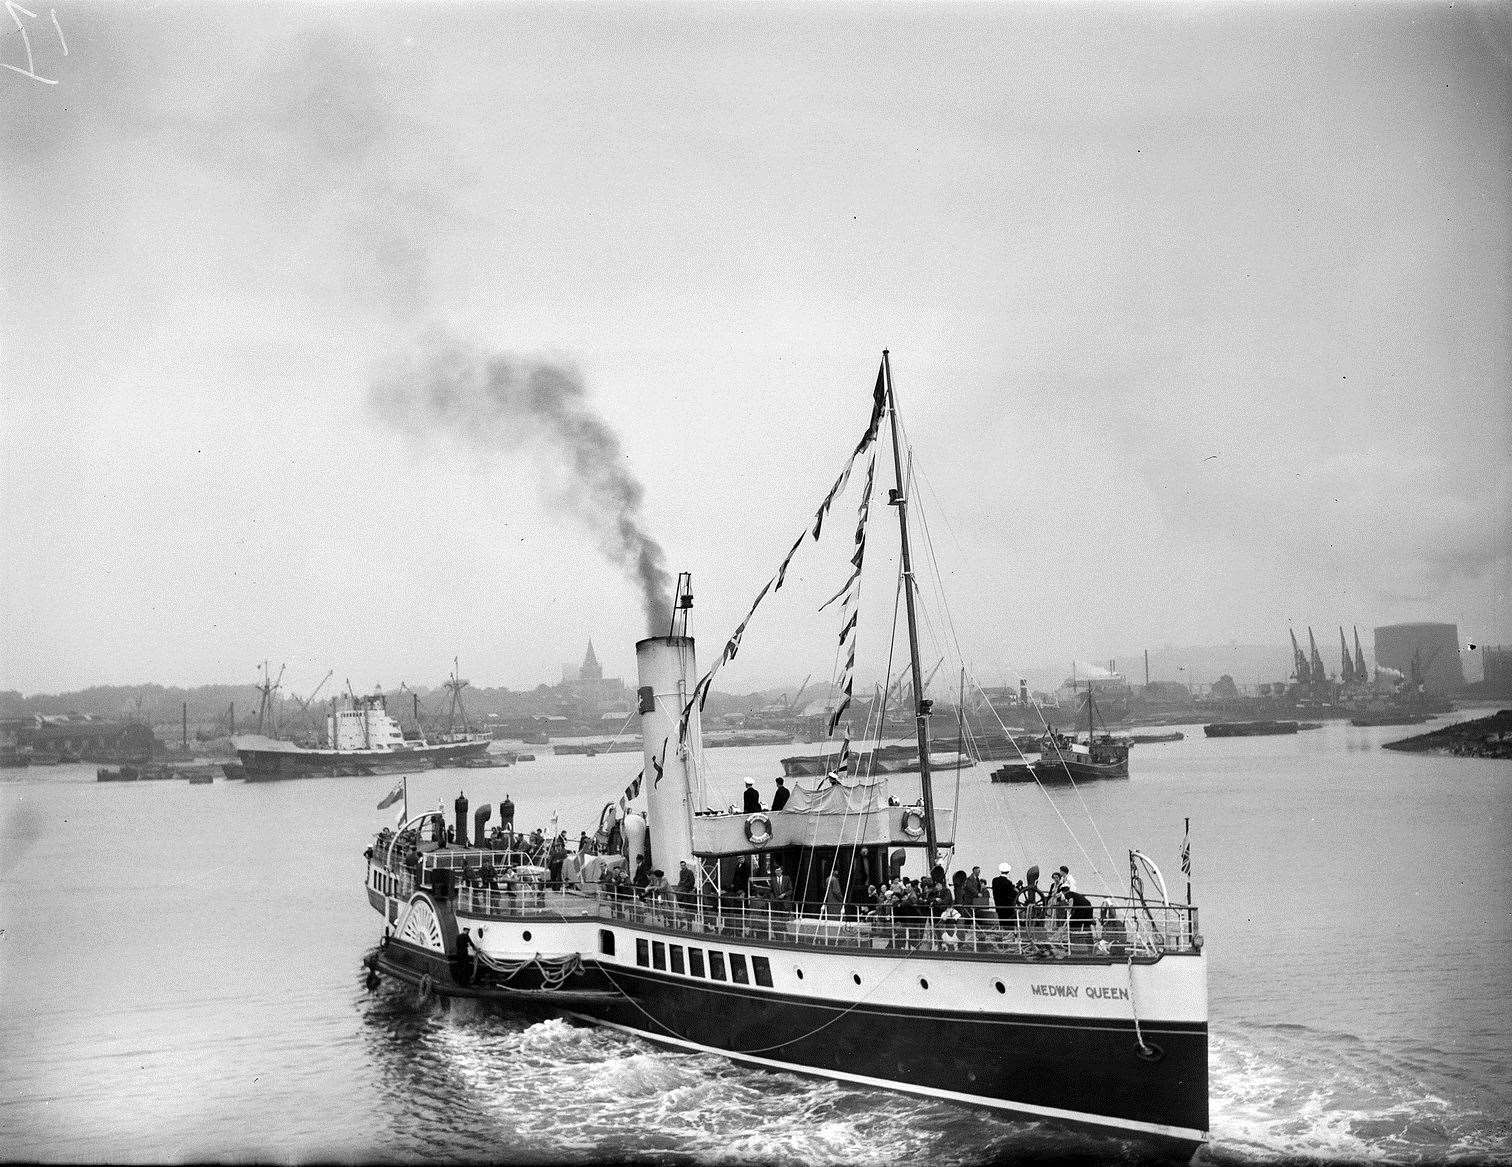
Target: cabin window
606,942
642,952
695,961
716,966
762,967
677,958
658,955
738,969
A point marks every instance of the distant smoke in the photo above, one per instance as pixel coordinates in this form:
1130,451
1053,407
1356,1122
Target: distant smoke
501,403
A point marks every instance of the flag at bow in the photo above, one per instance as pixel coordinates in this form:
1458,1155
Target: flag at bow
1186,854
392,796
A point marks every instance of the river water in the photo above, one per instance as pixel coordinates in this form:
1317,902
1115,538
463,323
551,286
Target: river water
182,974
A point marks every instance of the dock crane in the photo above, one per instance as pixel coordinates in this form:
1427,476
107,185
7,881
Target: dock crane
791,705
305,702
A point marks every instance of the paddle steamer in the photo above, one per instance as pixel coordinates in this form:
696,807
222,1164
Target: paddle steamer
1100,1024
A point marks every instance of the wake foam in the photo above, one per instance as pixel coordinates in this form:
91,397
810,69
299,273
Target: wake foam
1286,1091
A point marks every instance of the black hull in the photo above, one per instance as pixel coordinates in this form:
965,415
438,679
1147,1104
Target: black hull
1249,728
1060,773
265,765
1081,1073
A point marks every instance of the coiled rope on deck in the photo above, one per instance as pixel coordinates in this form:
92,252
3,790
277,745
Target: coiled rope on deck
553,972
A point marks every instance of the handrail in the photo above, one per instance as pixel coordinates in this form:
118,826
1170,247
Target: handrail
1115,926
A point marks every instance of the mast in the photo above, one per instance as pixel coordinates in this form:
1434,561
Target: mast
899,498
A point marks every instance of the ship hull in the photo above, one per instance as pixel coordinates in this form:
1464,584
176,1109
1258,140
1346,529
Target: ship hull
1060,773
270,761
973,1029
1060,1068
1249,728
888,760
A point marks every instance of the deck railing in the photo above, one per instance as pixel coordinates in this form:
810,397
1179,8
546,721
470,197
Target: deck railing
1118,925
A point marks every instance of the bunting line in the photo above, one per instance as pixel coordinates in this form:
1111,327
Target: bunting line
700,694
850,609
630,792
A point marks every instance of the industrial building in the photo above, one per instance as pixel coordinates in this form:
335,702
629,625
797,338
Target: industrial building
1422,653
1496,661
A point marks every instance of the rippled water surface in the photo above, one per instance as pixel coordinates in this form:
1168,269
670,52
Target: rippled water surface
182,972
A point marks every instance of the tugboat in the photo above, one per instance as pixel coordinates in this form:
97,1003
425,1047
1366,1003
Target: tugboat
1066,761
766,953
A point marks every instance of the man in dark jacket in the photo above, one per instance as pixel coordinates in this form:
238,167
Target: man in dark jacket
1082,919
685,888
1005,896
752,797
780,797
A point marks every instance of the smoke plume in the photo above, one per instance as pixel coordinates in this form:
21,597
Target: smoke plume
383,180
499,403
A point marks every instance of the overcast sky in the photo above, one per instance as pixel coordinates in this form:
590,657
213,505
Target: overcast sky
1199,318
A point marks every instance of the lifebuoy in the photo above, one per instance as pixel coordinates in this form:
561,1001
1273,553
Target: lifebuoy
913,824
758,829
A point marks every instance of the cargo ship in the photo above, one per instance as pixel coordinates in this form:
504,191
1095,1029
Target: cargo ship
362,738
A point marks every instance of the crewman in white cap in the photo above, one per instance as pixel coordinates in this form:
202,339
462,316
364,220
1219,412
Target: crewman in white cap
1005,896
752,797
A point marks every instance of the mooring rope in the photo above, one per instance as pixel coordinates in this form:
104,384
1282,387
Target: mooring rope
1139,1040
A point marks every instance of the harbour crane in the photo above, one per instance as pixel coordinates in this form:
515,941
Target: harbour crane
304,703
793,704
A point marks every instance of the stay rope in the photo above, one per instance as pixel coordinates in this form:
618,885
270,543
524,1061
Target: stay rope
954,639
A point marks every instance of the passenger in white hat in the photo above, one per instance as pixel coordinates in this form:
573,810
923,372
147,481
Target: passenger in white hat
752,797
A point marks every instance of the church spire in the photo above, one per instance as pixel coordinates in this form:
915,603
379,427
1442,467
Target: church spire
592,670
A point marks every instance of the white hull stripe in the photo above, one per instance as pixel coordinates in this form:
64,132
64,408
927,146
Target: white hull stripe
1185,1134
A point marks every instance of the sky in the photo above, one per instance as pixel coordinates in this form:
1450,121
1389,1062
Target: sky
1198,317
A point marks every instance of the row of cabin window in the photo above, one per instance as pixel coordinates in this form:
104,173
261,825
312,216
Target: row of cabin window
659,953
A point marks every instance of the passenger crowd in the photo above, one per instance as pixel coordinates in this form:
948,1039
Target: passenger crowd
934,910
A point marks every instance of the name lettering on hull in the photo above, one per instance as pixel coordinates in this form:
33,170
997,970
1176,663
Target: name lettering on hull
1093,992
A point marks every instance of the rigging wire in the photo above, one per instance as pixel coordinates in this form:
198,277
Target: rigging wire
955,639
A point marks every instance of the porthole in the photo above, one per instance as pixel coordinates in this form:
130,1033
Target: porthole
856,977
524,935
799,971
999,986
923,984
